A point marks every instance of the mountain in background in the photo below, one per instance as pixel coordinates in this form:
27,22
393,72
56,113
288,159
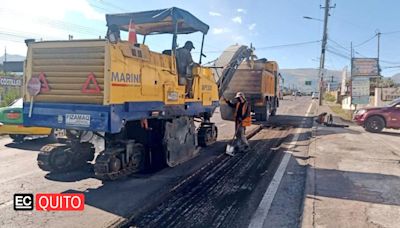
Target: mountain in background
296,78
12,58
396,78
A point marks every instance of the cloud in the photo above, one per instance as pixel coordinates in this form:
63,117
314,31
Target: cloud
252,26
238,38
237,19
241,10
55,23
220,30
214,14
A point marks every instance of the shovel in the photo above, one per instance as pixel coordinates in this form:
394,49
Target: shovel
230,148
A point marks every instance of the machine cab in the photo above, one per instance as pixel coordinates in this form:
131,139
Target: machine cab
173,21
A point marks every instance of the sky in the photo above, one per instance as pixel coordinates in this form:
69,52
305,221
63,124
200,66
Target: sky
276,29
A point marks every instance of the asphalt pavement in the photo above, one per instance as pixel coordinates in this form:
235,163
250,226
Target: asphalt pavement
110,203
353,177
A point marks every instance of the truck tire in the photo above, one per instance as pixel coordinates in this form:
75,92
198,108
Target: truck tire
274,106
374,124
273,112
261,113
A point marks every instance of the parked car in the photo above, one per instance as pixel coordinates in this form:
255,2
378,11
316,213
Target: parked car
296,93
12,123
377,118
315,95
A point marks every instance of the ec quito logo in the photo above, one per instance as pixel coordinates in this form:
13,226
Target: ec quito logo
49,202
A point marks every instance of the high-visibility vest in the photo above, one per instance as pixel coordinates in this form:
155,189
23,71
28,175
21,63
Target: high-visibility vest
246,122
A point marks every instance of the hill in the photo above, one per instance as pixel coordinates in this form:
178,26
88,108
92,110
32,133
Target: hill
296,78
12,58
396,78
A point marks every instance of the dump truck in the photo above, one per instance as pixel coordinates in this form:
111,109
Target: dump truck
124,93
259,80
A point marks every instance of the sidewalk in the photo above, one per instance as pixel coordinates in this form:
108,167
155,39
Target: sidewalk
353,178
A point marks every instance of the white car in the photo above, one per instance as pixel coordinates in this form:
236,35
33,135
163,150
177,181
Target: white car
315,95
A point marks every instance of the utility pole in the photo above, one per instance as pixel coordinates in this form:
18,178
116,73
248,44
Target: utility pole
323,48
379,46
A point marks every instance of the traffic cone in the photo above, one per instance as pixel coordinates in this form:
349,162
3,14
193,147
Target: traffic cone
132,38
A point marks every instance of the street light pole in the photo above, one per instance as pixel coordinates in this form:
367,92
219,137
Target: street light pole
323,48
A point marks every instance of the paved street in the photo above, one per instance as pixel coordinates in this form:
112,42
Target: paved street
344,173
20,174
353,178
111,114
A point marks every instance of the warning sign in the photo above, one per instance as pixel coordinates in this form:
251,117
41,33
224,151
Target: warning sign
91,80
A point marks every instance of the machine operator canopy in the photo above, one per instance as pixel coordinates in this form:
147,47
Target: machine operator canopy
159,22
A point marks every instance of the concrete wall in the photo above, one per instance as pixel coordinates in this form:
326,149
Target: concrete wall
346,101
374,101
388,95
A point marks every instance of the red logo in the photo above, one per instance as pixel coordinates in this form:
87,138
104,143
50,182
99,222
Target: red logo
60,202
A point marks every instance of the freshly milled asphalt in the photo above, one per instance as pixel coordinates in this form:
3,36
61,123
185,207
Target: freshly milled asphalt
109,203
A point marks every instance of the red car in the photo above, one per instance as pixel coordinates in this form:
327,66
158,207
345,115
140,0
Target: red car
377,118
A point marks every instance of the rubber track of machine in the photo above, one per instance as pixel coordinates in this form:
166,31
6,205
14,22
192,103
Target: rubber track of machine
101,167
45,158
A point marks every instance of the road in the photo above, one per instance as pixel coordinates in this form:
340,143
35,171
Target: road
110,203
353,178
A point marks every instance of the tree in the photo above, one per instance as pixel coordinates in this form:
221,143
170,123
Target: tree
9,96
381,83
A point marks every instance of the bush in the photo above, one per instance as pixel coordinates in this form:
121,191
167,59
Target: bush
329,97
9,96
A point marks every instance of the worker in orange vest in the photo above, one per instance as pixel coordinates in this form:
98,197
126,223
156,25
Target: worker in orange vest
242,120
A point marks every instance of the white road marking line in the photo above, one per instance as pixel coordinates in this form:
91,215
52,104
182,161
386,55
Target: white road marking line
309,108
6,204
261,213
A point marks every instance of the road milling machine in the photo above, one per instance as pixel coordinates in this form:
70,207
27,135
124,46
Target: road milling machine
125,94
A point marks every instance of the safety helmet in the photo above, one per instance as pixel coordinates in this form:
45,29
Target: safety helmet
189,45
240,94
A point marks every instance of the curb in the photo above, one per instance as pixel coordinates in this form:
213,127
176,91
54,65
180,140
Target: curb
307,217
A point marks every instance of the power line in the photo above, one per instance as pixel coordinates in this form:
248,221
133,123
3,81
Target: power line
99,7
392,32
112,5
274,46
388,67
348,50
58,24
389,62
339,45
290,45
366,41
338,54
